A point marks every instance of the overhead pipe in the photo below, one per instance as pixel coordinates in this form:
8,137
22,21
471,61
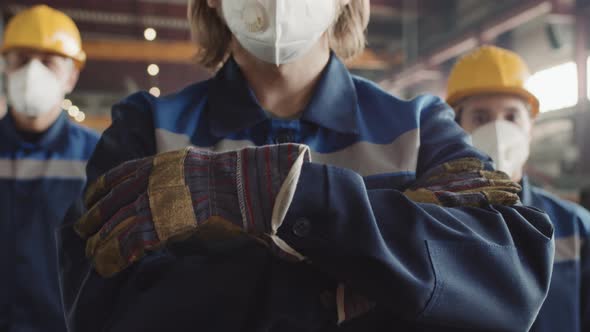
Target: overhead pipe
113,18
491,29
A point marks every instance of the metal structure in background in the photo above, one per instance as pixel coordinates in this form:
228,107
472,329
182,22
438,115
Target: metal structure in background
410,26
486,31
560,156
583,120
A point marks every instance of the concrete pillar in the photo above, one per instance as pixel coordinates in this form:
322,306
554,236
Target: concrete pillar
582,124
581,56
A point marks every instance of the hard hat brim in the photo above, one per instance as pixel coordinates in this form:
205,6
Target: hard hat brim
79,59
454,99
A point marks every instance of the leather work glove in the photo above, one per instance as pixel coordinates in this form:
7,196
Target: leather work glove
144,204
464,182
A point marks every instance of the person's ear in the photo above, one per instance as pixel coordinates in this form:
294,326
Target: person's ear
71,80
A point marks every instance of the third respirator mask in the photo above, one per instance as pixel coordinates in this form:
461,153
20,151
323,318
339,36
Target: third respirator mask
34,90
506,143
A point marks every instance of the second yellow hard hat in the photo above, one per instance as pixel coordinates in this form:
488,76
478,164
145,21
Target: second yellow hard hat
490,70
43,28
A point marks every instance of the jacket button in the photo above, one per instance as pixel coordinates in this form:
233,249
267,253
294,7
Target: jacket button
302,227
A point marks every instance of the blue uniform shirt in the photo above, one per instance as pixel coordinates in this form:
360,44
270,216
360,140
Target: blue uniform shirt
427,268
567,307
38,183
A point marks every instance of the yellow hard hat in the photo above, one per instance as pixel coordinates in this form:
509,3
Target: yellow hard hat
45,29
489,70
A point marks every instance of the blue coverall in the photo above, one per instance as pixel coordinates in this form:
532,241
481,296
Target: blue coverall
40,178
426,267
567,307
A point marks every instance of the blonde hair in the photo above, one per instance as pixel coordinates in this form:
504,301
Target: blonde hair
347,35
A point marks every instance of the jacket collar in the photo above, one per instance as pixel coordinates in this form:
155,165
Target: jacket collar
233,106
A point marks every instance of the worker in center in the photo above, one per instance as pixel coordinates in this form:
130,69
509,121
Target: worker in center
285,194
487,91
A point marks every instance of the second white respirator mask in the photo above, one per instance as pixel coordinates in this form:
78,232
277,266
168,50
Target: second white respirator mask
506,143
278,31
34,90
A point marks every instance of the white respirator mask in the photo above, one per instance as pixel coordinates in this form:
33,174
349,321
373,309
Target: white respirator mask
34,90
278,31
506,143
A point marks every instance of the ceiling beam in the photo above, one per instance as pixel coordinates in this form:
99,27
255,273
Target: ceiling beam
140,51
380,11
117,18
369,60
491,28
184,52
515,18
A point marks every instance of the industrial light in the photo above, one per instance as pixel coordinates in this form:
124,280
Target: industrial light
73,111
150,34
155,91
153,69
80,117
66,104
555,87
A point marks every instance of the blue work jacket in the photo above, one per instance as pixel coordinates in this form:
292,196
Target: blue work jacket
39,181
567,307
426,268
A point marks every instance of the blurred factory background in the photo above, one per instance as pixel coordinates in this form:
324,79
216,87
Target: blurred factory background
145,45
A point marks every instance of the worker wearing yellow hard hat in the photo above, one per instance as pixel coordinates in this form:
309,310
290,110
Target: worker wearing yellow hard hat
487,90
490,70
43,51
43,28
42,162
486,85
